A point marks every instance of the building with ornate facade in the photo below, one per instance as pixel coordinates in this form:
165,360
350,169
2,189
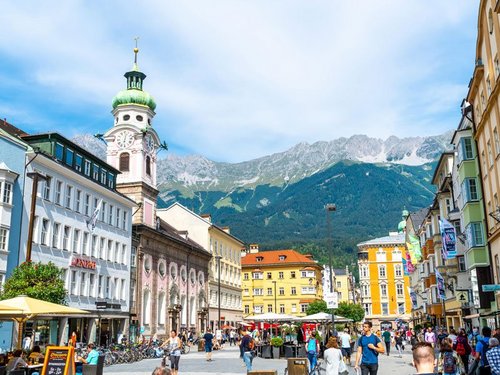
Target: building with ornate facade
225,250
169,283
383,283
280,281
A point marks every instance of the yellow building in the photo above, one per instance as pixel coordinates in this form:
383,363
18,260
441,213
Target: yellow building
384,286
281,281
483,96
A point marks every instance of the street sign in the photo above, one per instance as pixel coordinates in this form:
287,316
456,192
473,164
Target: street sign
331,299
490,287
462,296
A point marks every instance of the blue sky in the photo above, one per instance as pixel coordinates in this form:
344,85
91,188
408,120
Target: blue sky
235,80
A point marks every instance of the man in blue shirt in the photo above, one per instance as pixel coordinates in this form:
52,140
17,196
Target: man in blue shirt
369,347
481,347
92,356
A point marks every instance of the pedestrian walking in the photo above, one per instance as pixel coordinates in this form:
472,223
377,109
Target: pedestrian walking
449,363
424,358
398,339
430,337
209,344
463,349
312,349
482,348
174,345
386,335
333,358
369,347
345,340
493,356
248,346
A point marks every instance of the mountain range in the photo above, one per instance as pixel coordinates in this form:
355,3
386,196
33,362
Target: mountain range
278,200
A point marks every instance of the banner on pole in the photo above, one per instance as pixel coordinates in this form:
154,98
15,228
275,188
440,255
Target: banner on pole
449,238
440,285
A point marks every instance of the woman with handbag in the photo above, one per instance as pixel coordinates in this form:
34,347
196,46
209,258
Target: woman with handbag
312,348
334,360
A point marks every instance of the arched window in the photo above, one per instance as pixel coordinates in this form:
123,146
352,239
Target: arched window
125,162
148,165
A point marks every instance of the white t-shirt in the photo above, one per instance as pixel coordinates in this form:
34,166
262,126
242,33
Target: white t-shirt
345,338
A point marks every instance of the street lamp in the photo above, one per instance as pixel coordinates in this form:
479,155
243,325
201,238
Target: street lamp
330,208
218,258
36,176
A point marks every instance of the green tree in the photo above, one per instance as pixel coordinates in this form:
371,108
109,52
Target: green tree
352,311
317,307
36,280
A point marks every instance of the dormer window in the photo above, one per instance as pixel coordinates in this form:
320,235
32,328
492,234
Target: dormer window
282,257
259,259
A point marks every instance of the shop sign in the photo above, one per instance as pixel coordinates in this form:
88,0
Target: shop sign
83,263
107,305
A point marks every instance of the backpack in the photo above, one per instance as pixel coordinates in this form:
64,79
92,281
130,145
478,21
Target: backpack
251,344
449,363
460,347
484,350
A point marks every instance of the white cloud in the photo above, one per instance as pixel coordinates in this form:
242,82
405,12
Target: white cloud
239,79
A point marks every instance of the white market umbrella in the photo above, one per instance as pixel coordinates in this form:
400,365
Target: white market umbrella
324,317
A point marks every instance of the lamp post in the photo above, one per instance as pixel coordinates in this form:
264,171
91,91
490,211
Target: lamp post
330,208
36,176
218,257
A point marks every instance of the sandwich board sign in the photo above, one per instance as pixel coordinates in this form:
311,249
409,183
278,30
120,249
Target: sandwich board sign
59,360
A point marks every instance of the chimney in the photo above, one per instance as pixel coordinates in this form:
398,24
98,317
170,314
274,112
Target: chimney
207,217
254,248
309,256
227,230
183,234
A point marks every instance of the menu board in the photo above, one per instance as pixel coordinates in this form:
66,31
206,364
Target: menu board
59,360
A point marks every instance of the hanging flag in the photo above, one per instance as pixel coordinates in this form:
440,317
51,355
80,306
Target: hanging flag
409,264
440,285
91,223
415,244
449,239
413,297
411,254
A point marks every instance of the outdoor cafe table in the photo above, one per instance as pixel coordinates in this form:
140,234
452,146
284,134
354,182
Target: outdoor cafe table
28,370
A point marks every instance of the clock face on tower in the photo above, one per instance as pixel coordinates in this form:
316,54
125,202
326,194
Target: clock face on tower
149,144
124,139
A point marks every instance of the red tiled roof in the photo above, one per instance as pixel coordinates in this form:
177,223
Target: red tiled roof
272,257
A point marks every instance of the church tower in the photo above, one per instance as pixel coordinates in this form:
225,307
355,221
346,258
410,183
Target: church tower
132,145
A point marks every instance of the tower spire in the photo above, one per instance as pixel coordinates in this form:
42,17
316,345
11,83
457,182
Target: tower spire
136,51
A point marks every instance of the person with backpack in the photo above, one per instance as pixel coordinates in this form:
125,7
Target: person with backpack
369,347
312,349
449,363
463,349
248,346
493,356
482,348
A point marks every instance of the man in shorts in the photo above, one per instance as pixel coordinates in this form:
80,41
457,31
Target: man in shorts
345,340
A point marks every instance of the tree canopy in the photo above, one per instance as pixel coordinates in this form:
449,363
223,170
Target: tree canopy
317,307
36,280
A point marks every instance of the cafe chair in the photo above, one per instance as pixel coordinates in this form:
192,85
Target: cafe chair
94,369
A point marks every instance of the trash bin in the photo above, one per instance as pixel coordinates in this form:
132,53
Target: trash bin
297,366
201,345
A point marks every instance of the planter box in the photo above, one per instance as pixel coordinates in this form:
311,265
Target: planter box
276,352
266,351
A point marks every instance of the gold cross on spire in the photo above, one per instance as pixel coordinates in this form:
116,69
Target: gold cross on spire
136,49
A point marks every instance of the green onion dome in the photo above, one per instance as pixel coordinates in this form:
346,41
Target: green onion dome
134,96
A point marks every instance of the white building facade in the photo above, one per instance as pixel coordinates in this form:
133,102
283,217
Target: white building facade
94,255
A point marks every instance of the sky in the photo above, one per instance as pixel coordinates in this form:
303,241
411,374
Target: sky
238,79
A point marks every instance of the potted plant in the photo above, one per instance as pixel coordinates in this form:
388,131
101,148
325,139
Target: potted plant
276,343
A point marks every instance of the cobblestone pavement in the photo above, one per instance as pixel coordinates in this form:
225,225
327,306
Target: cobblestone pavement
227,362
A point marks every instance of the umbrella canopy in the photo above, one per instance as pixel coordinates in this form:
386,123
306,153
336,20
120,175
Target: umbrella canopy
23,308
324,317
29,307
271,317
